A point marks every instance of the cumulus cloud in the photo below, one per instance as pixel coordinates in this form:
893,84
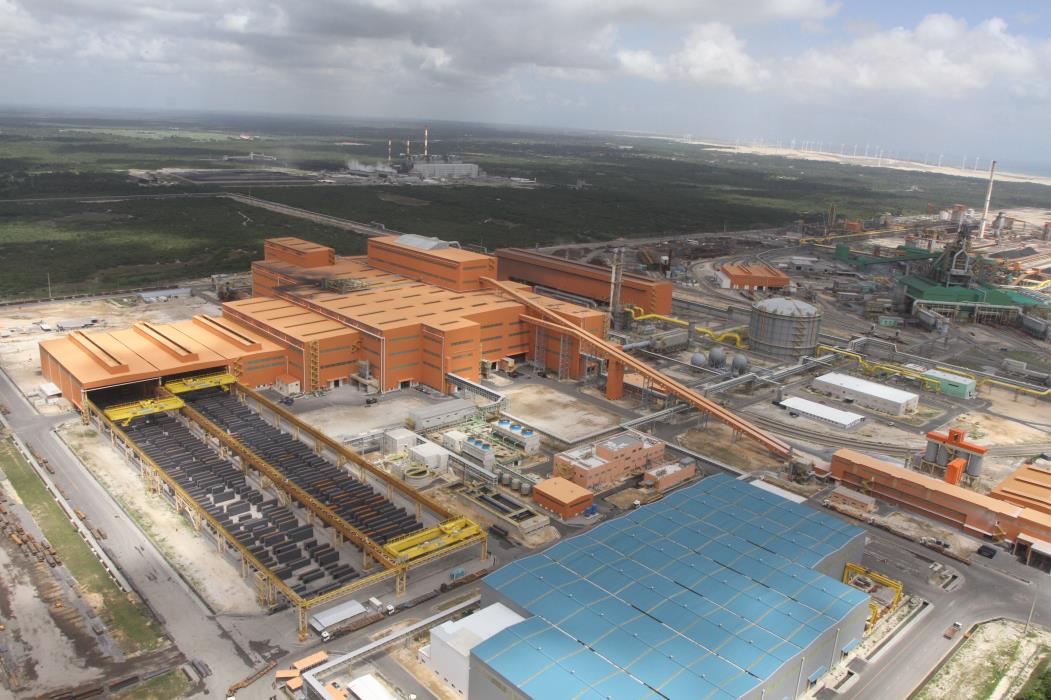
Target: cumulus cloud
942,55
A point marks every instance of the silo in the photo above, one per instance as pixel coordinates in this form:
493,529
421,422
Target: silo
784,328
931,454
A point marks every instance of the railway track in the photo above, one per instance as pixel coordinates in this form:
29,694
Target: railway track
896,449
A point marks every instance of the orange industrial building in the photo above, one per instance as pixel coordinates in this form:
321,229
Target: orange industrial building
326,321
562,497
973,513
751,277
1029,486
414,310
582,279
608,461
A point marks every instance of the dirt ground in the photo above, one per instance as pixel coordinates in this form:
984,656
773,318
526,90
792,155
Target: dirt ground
985,429
993,664
1018,406
214,577
915,527
556,413
43,648
20,356
342,414
408,657
717,441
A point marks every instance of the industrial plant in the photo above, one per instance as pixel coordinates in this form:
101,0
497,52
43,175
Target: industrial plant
706,466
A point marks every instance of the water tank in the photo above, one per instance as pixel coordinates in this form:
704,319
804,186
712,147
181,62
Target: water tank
698,359
784,328
974,465
716,357
740,364
505,478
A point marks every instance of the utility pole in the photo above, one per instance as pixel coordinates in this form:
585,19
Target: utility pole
1031,609
49,286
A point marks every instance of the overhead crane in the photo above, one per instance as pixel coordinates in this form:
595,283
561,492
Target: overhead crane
123,413
617,360
418,544
205,381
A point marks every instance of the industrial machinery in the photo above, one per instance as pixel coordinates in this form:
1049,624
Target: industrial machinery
123,413
418,544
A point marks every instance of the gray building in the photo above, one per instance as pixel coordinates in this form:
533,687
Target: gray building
441,414
862,392
442,170
720,590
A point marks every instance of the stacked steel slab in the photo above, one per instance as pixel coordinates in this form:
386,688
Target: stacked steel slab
291,550
355,502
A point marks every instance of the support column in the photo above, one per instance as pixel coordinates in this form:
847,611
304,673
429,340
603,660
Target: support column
614,380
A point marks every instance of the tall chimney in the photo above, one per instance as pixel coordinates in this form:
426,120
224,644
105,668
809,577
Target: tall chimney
988,196
426,136
388,151
408,148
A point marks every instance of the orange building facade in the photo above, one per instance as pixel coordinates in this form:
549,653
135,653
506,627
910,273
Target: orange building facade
582,279
974,513
751,276
562,497
608,461
412,311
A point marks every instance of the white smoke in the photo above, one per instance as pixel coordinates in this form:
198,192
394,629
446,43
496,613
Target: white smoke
379,167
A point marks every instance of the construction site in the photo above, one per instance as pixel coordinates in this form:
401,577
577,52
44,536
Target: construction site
708,466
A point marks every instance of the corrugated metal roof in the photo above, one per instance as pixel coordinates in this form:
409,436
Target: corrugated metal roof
704,594
819,410
864,386
787,307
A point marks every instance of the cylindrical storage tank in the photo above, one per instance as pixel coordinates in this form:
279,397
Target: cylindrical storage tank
931,454
516,484
698,359
784,328
505,422
974,465
527,488
716,357
505,478
739,364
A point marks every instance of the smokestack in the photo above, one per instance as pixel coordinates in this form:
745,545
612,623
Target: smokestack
988,196
388,151
408,148
426,137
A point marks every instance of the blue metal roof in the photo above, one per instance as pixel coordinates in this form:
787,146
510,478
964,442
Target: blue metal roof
704,594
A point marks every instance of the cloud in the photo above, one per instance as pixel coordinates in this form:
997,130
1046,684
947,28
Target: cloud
942,56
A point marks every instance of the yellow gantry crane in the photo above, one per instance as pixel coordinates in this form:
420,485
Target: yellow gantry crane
205,381
123,413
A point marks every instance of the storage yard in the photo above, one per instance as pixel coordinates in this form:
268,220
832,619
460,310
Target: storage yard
675,473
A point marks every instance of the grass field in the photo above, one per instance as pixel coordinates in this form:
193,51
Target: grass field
128,620
592,187
101,246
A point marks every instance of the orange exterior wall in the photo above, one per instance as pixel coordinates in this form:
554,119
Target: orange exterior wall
751,276
590,281
298,252
450,268
564,510
974,513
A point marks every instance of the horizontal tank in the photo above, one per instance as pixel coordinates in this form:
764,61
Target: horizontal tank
784,328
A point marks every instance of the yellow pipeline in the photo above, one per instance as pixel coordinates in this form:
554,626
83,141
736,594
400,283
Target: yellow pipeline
987,380
872,367
719,337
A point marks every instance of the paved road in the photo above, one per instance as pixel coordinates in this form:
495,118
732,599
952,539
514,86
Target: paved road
189,623
1001,587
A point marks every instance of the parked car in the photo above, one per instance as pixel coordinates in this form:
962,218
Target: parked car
987,551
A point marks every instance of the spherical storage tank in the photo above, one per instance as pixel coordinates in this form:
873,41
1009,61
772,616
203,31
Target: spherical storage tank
698,359
716,357
739,365
784,328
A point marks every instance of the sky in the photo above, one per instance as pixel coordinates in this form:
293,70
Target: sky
961,79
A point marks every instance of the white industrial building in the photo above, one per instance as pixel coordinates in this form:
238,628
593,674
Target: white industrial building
878,397
525,438
398,440
441,414
821,412
441,170
429,455
449,653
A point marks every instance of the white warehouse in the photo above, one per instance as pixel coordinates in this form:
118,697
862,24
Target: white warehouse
449,652
868,394
821,412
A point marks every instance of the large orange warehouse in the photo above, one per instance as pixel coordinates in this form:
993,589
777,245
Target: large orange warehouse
974,513
751,277
582,279
413,311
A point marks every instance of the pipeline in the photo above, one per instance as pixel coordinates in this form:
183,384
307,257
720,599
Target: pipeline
638,314
872,367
